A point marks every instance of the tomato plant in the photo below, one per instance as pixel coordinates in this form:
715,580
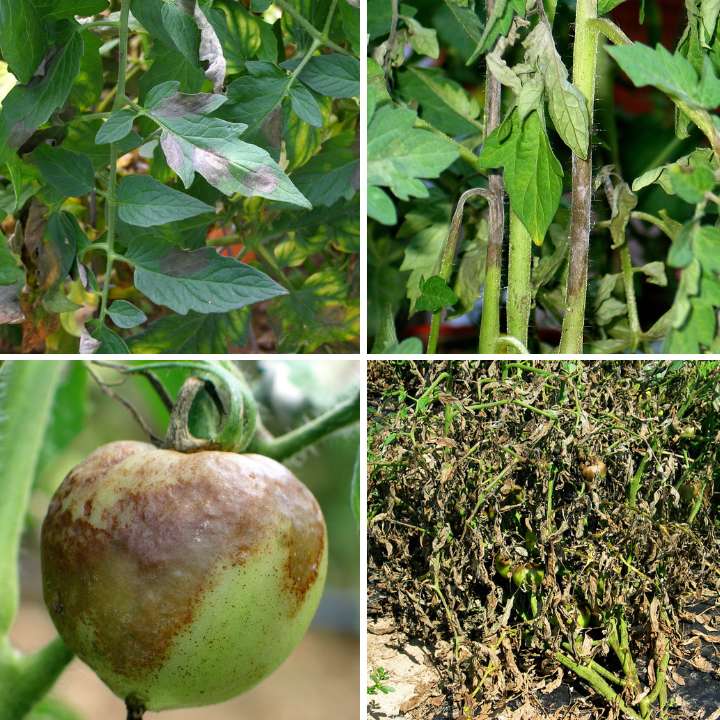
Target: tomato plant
230,580
178,176
538,181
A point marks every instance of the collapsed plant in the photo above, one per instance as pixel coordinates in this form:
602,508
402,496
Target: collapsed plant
530,521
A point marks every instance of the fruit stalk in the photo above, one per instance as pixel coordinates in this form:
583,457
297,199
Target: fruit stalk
584,67
282,447
118,103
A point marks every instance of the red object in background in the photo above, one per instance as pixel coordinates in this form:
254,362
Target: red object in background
234,250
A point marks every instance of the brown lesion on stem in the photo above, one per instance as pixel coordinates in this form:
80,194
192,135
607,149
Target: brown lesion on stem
135,708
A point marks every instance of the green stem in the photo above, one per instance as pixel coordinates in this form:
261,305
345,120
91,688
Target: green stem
25,681
309,28
519,286
279,448
584,66
114,151
660,686
448,258
490,320
598,684
27,391
635,481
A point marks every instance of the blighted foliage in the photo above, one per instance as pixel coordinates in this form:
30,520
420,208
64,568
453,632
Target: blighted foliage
167,165
527,520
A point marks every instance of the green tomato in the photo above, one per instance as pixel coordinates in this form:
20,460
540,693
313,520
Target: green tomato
519,575
502,565
182,579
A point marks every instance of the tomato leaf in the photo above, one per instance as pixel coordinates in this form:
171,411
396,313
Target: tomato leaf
144,201
22,37
68,173
117,127
125,315
199,280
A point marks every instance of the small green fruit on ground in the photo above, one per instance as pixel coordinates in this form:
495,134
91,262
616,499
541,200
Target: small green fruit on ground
182,579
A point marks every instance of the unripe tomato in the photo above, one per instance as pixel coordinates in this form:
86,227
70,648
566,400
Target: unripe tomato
182,579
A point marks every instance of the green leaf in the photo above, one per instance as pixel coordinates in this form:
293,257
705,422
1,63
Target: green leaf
443,103
400,154
623,203
51,709
255,95
68,414
199,280
533,175
333,75
28,107
125,315
435,294
380,206
58,9
110,343
706,245
709,10
116,127
305,106
673,74
497,24
567,106
467,20
691,183
605,6
67,172
144,201
355,489
194,333
333,173
169,22
27,390
11,270
208,145
22,37
422,40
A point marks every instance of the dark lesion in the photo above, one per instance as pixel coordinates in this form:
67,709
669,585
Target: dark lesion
135,708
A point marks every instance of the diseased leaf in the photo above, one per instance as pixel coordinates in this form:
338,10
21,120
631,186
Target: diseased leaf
497,24
28,107
399,154
125,315
211,52
194,333
691,183
116,127
67,172
144,201
423,40
199,280
623,203
22,37
567,106
208,145
10,311
66,239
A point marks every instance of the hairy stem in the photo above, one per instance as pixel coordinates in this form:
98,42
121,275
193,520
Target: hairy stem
279,448
119,101
584,66
519,286
448,258
490,320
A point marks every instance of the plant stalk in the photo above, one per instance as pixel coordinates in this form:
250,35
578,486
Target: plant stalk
490,320
584,67
519,287
119,101
309,28
279,448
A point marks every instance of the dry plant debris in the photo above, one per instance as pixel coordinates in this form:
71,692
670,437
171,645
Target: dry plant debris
539,522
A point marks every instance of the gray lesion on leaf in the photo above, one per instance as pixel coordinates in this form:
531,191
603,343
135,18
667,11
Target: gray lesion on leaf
173,152
182,104
214,168
210,51
179,263
262,180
